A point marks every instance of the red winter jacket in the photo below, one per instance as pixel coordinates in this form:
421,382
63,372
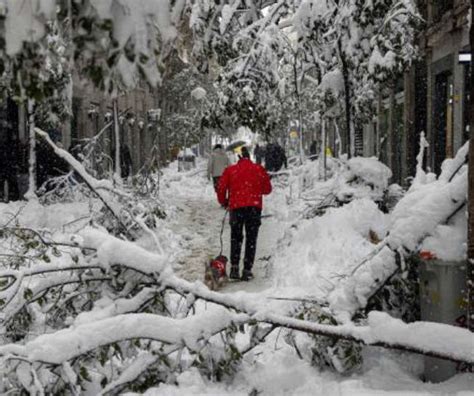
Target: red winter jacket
243,184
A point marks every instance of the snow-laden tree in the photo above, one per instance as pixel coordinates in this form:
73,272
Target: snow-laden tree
354,46
346,47
112,43
55,105
189,96
243,38
39,76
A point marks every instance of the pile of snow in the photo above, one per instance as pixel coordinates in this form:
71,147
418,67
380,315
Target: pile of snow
417,222
371,170
346,180
363,177
449,241
429,203
327,247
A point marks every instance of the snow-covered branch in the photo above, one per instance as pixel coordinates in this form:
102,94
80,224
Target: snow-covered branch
64,345
92,183
424,337
415,217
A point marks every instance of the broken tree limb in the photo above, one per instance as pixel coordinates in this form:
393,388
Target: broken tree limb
93,184
431,339
66,344
415,217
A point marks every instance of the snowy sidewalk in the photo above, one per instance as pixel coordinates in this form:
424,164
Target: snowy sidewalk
198,220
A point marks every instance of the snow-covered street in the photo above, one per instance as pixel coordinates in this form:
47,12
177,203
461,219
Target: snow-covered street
198,219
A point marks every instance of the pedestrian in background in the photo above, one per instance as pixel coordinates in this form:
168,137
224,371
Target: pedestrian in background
218,161
259,153
275,157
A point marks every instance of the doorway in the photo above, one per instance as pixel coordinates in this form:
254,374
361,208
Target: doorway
442,119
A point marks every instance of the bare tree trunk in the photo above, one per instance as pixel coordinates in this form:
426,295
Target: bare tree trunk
118,172
338,148
31,193
322,162
348,144
298,101
470,243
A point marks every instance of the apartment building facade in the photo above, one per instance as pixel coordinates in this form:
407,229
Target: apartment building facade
432,97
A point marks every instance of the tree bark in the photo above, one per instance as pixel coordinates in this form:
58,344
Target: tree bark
348,141
470,243
31,193
118,172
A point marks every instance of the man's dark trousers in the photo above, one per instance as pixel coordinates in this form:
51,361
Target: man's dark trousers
215,181
248,218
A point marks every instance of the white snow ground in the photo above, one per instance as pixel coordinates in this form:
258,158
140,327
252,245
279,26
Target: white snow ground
273,368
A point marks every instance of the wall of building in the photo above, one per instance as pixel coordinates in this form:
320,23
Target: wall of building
446,36
430,97
92,111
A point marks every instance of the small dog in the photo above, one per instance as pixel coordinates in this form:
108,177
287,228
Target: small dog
215,275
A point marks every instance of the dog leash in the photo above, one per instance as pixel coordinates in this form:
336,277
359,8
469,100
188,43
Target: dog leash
222,231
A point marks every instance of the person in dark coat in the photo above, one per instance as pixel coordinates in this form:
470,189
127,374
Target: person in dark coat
313,150
240,190
259,153
275,157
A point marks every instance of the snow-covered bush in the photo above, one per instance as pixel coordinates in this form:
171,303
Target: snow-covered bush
346,180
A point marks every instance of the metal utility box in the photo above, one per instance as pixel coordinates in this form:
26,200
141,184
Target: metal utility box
442,292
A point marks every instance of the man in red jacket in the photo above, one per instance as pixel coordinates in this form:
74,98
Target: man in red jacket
240,190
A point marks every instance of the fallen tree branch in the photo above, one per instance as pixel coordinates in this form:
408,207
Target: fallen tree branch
431,339
346,299
64,345
93,184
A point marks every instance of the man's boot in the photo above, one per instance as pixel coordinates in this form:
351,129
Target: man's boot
247,275
234,272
